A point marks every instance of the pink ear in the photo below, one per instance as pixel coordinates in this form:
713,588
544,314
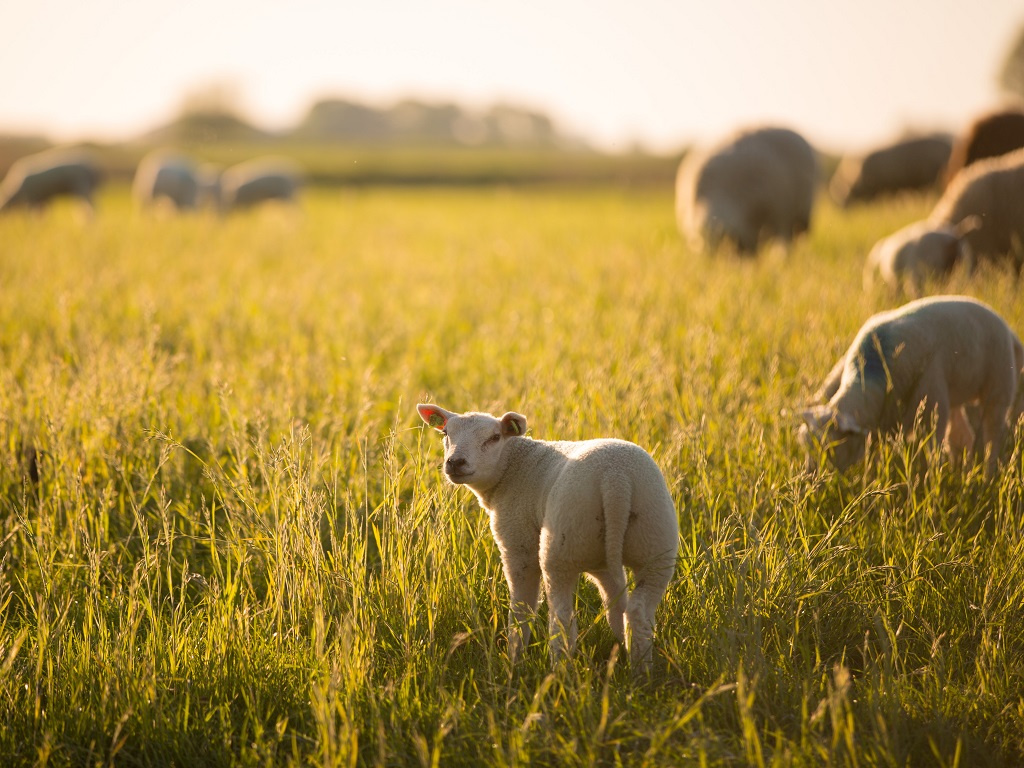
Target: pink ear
433,416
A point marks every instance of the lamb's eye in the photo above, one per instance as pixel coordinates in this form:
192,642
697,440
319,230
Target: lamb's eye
492,439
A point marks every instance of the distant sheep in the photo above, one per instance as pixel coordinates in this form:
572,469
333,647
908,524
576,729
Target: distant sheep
257,181
919,252
35,180
163,176
991,191
980,217
908,165
559,509
940,354
756,186
990,135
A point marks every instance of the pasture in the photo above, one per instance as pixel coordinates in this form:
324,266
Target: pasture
226,538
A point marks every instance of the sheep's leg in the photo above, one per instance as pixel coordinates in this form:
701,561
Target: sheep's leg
611,584
651,582
960,436
524,590
560,588
932,391
993,433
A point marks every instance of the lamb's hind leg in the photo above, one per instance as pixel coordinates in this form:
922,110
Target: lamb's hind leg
560,587
611,584
651,582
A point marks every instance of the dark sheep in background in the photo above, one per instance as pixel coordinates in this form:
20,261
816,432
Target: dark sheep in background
909,165
990,135
258,180
35,180
756,186
166,177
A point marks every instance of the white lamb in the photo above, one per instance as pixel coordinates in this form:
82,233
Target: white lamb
940,353
559,509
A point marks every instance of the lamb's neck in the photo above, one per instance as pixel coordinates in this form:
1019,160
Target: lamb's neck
528,465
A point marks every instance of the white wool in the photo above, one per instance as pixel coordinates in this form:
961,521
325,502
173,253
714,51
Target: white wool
561,509
946,352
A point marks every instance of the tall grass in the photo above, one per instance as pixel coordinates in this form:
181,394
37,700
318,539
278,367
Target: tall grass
226,539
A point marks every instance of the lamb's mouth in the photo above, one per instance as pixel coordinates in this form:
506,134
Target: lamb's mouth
458,477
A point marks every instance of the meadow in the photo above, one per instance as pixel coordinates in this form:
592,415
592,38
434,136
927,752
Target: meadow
226,538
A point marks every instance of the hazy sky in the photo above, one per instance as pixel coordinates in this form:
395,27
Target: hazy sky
665,72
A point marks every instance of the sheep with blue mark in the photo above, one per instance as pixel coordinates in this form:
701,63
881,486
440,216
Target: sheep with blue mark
560,509
940,354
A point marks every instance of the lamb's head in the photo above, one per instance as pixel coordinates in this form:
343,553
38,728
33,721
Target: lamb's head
836,434
473,443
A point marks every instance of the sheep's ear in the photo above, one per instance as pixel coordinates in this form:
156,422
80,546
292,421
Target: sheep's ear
434,416
513,424
816,416
967,224
848,423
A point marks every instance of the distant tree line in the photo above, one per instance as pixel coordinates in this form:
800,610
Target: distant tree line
343,121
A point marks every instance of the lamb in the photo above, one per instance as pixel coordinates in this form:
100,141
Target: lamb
757,185
559,509
35,180
256,181
990,135
918,252
940,354
908,165
163,176
980,217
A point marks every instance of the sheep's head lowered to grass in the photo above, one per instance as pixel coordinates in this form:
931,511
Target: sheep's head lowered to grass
473,443
837,435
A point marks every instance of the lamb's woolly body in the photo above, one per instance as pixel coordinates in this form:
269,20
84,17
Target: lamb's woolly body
912,255
993,191
561,508
35,180
947,351
755,186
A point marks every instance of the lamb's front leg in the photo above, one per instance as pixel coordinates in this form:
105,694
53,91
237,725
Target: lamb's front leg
523,579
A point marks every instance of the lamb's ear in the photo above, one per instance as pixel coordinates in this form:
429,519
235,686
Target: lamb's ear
967,224
513,425
848,423
434,415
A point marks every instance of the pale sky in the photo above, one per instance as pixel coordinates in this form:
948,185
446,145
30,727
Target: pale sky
846,73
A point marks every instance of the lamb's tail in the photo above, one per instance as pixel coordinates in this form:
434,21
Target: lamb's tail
617,500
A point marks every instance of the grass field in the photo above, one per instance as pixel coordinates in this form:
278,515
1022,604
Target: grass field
226,539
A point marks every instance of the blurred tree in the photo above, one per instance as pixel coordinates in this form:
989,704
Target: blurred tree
1011,78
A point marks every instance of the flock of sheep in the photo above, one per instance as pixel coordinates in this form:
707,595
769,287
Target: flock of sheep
559,509
162,178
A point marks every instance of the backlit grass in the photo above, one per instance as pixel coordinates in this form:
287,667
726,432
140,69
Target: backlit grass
227,541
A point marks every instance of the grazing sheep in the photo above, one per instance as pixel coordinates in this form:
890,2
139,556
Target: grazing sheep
916,253
980,217
908,165
991,192
940,354
989,135
162,176
758,185
256,181
559,509
35,180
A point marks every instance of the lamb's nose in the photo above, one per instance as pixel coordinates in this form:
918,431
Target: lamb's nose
454,465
